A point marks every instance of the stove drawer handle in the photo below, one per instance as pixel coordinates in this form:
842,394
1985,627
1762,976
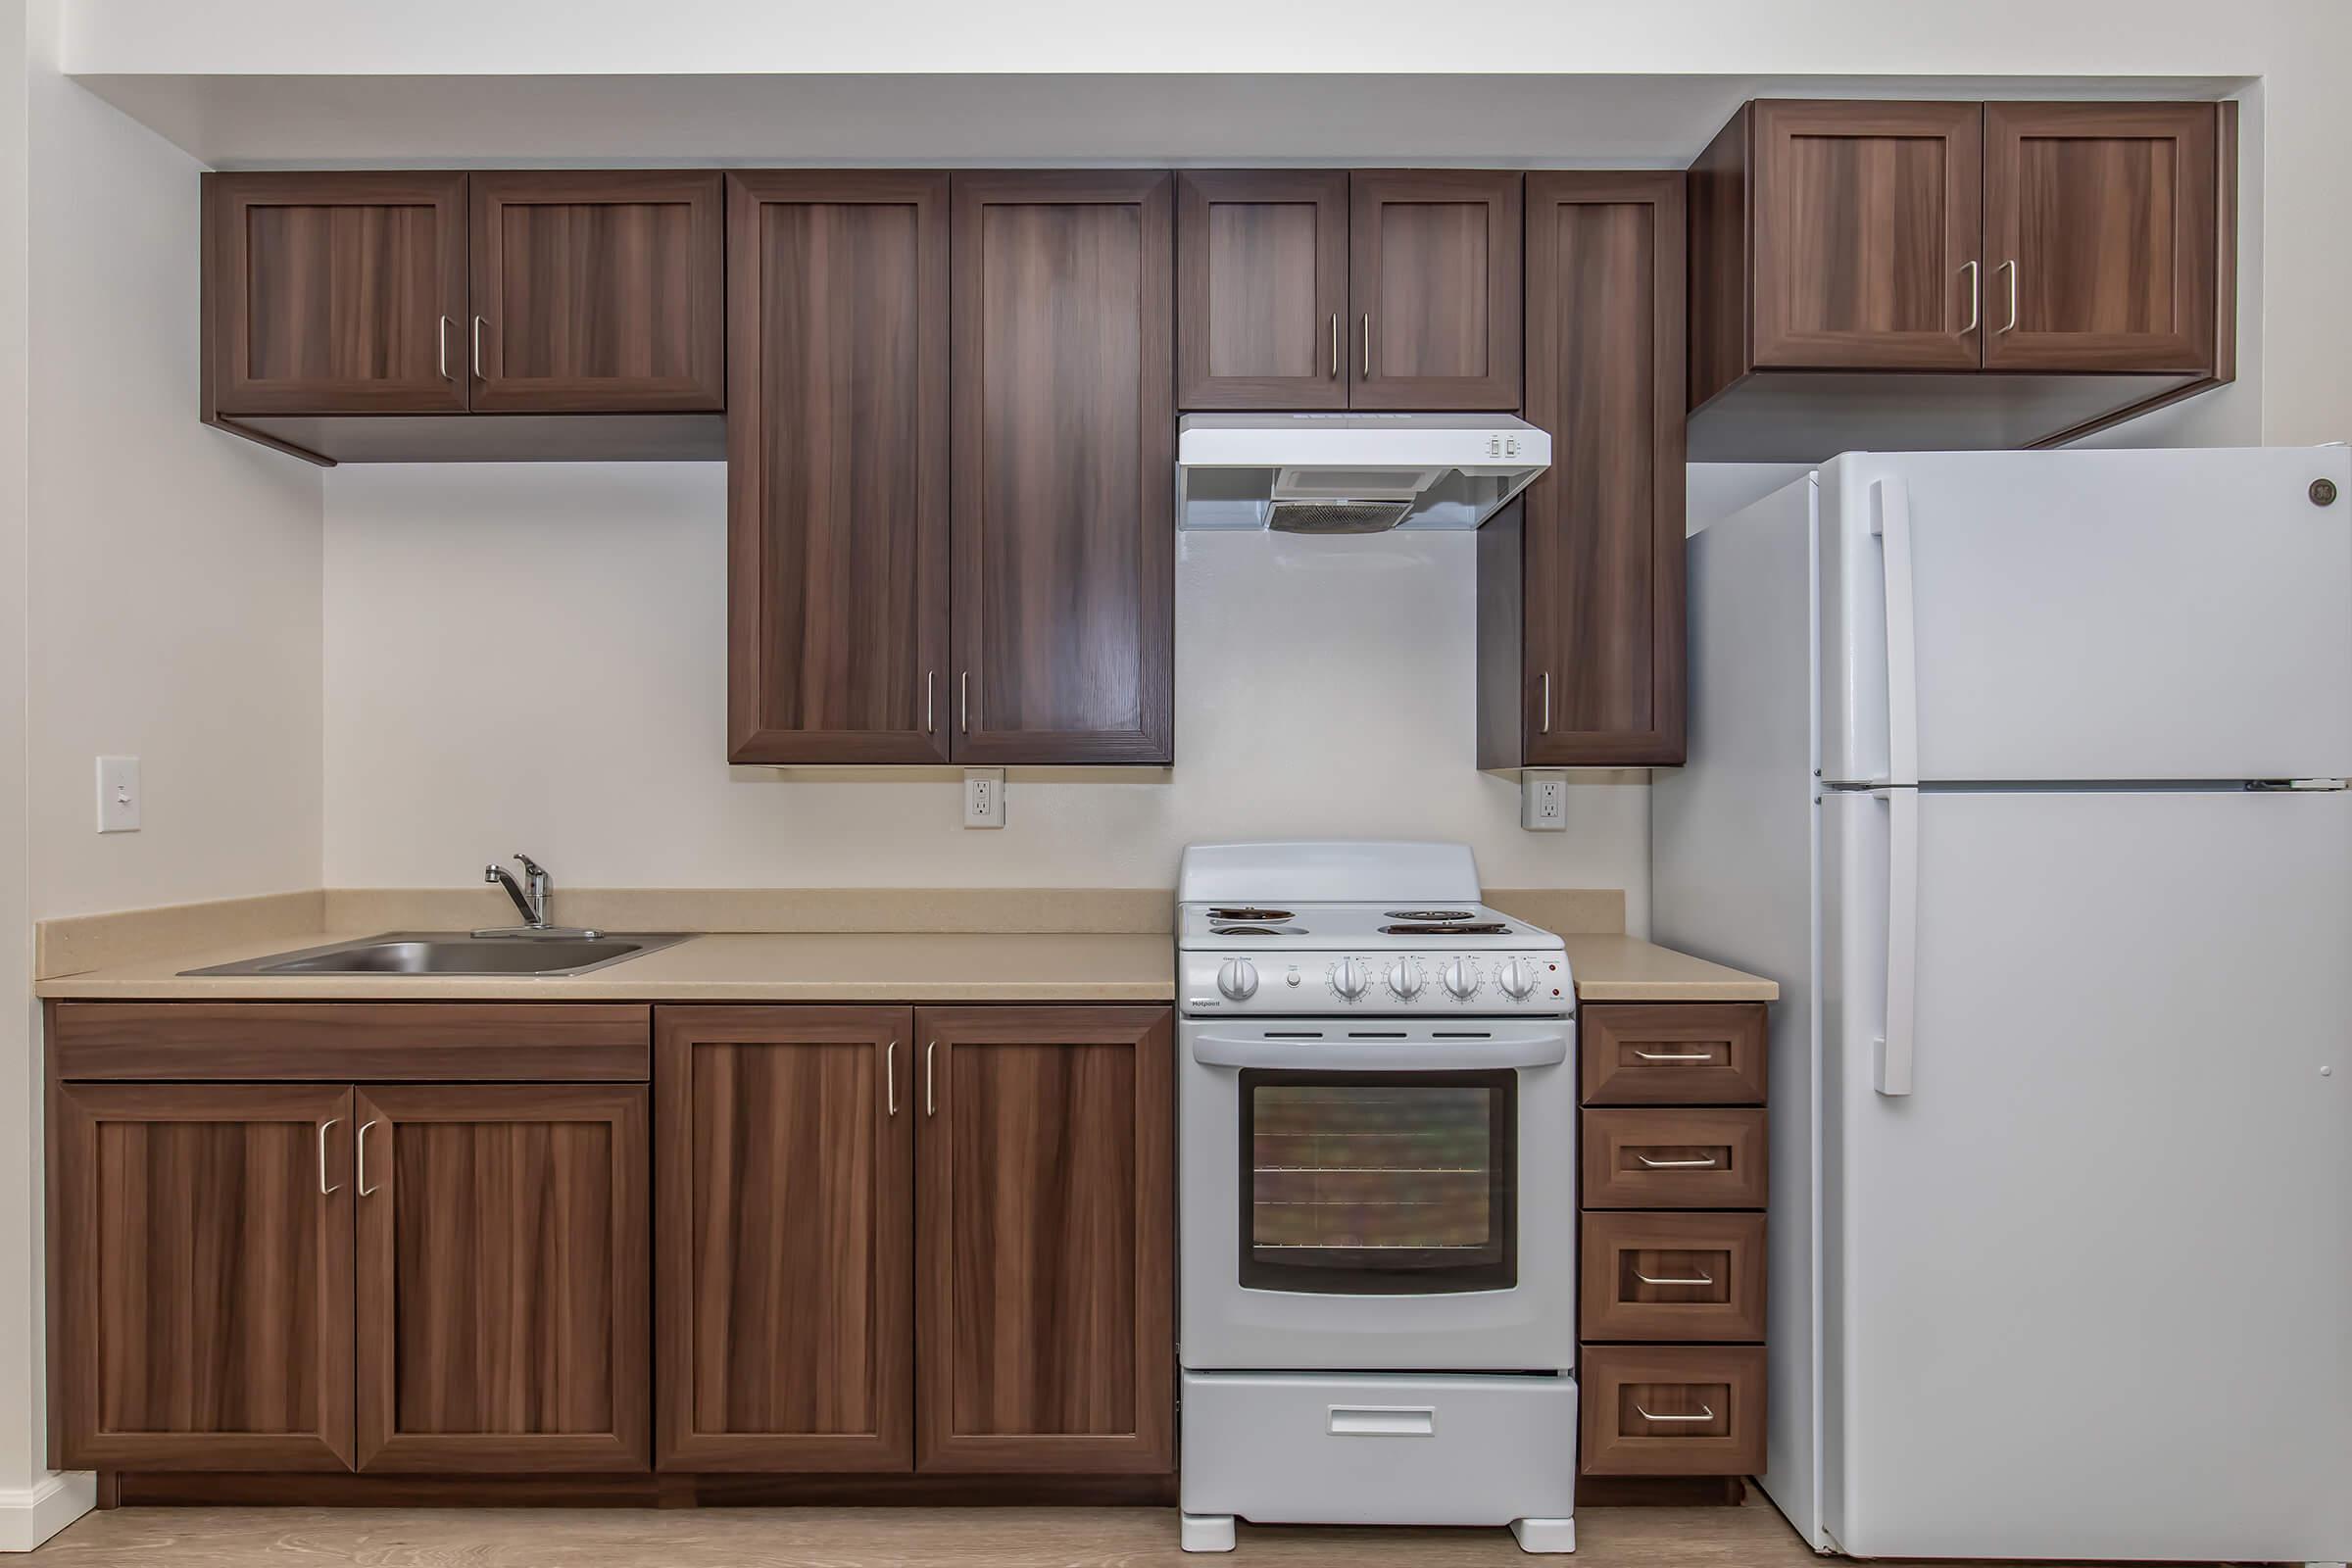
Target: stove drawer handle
1707,1164
1383,1420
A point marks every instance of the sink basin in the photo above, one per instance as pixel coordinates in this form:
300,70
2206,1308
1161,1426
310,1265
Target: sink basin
455,952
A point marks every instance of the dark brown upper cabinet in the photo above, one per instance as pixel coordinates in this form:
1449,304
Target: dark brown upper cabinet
836,474
1064,432
2083,253
2099,237
597,292
1261,289
1580,583
1434,258
336,292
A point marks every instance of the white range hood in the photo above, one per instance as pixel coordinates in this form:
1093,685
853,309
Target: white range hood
1351,472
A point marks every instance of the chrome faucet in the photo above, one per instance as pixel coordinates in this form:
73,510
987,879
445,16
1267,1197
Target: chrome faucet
530,901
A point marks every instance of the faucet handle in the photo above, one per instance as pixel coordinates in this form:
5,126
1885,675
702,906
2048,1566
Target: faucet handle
529,867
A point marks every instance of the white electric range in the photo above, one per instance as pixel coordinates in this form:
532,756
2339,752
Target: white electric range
1377,1166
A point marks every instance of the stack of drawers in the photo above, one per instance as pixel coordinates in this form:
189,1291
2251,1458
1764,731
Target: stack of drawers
1672,1300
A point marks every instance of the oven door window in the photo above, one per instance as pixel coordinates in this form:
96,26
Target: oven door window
1379,1183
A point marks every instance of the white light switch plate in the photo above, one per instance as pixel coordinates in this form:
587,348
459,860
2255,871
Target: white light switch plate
983,797
1544,799
118,795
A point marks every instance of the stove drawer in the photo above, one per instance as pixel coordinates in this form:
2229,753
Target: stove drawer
1674,1054
1673,1409
1674,1157
1673,1277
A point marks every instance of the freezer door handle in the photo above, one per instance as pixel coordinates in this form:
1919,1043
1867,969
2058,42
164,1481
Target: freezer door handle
1897,1040
1890,522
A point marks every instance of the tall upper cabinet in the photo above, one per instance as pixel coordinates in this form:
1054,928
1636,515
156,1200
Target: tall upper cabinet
1319,290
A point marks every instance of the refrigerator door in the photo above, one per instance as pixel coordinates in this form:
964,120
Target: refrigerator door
2086,616
2084,1286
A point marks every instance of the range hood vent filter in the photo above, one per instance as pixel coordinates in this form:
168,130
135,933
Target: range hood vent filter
1336,516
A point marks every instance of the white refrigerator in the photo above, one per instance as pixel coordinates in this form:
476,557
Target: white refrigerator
2021,773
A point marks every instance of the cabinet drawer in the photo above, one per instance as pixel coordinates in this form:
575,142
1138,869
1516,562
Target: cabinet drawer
1683,1053
1674,1277
1673,1409
1676,1157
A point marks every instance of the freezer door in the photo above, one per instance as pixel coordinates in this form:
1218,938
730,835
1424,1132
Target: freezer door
2086,616
2084,1285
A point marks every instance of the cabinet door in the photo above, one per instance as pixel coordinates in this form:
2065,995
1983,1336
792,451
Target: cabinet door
1044,1242
837,470
335,293
1261,289
785,1188
1064,429
596,292
201,1239
2101,244
1603,679
1866,247
1434,279
502,1278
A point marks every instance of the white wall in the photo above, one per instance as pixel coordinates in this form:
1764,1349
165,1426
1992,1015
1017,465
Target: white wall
535,658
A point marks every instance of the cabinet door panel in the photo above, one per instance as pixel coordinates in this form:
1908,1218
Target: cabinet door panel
1063,434
502,1279
1867,220
1044,1237
837,507
1603,546
2100,227
786,1198
1261,283
203,1309
336,293
1434,283
596,292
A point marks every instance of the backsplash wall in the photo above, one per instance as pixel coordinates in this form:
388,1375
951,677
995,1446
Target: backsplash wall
533,658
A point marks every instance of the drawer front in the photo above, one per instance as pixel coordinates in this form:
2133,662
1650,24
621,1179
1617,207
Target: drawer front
1674,1277
1673,1409
1682,1053
354,1042
1676,1157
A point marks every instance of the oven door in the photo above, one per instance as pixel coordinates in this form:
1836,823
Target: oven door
1367,1194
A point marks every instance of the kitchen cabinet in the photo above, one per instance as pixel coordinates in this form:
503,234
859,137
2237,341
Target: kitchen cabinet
1580,583
1839,249
1063,534
785,1235
837,472
1434,279
502,1278
1262,289
1044,1240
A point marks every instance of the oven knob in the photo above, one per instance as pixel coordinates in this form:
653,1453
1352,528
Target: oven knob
1462,978
1518,978
1348,979
1237,979
1405,979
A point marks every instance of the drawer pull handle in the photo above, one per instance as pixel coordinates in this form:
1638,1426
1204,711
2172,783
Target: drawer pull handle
1707,1164
1384,1420
1698,1279
1674,1055
1705,1414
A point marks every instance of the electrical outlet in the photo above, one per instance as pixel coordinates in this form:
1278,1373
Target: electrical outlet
1544,799
983,797
118,795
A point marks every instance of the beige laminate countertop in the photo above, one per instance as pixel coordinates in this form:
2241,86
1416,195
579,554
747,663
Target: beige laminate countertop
847,966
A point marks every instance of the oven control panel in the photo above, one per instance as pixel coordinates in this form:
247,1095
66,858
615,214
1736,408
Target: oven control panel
1423,984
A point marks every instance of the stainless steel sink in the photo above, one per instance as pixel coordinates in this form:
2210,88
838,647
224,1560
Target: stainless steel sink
449,952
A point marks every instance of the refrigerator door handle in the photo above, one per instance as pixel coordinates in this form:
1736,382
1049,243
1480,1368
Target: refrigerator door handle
1890,522
1897,1042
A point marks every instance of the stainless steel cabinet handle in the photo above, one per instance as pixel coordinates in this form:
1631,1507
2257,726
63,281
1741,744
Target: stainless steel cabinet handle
324,1187
1707,1164
1701,1279
930,1104
890,1075
477,348
1975,298
964,700
1335,346
1548,701
1367,345
930,724
1674,1055
441,346
2010,266
1705,1414
366,1128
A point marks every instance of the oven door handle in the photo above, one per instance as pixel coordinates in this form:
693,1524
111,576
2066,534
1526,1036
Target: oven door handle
1529,1048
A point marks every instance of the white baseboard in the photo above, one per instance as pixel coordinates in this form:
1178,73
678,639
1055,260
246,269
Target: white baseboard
32,1514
